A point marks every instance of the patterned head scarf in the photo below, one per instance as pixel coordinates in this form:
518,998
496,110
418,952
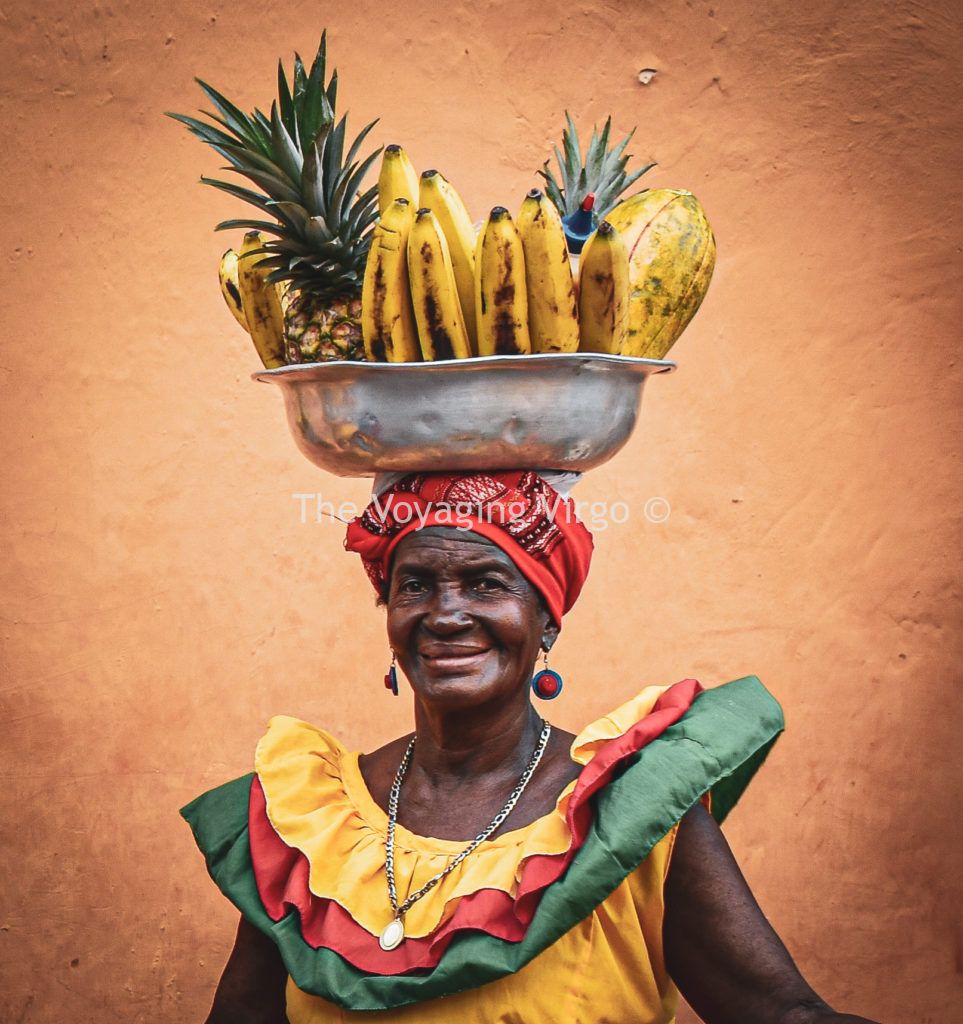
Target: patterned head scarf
518,511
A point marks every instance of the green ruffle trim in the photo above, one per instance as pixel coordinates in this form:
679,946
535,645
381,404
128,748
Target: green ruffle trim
716,747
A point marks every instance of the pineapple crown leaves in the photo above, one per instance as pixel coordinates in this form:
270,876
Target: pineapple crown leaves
310,186
603,171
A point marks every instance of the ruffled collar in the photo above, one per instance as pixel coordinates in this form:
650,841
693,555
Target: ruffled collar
304,770
318,840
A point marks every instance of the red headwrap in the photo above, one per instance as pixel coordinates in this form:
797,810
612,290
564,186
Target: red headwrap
517,511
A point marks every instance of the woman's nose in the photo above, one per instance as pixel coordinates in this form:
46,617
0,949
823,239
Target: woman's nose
447,612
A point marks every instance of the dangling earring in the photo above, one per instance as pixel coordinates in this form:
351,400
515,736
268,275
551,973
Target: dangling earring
391,676
546,683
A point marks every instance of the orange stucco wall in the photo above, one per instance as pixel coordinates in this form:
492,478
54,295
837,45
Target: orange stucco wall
161,599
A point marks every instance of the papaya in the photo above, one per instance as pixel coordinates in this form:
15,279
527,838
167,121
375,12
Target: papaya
672,253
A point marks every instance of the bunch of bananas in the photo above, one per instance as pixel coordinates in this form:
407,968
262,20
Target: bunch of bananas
434,288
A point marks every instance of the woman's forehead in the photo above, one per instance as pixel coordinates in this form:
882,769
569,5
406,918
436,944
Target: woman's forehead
447,546
449,539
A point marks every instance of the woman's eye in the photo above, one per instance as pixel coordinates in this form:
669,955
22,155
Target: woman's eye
411,586
488,583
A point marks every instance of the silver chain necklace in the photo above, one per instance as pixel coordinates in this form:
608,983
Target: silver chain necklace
394,932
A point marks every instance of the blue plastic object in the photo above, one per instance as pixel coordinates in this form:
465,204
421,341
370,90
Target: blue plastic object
580,225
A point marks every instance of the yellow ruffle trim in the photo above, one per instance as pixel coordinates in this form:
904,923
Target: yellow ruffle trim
318,804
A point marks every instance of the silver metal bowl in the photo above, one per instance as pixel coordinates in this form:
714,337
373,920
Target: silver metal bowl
548,411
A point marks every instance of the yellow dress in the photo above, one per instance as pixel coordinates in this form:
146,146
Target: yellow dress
557,921
609,967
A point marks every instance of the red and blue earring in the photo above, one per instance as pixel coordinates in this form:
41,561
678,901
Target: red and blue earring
391,676
546,683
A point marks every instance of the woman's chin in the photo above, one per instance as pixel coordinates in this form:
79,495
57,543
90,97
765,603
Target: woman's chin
448,680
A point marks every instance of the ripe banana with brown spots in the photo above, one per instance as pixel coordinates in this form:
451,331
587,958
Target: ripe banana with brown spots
672,253
260,302
603,294
227,274
397,179
501,297
434,294
550,286
438,194
387,317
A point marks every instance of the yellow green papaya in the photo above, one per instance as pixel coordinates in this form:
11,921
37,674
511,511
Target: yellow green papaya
672,253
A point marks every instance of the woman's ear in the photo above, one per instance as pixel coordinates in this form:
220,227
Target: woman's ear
549,636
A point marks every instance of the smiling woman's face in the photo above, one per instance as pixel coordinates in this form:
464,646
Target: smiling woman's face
464,622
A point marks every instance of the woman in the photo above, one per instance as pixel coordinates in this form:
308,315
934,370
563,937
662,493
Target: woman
388,887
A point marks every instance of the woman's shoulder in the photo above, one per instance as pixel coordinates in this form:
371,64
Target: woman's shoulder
297,761
289,738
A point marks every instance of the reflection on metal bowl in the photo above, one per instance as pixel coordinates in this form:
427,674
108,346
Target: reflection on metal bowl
550,411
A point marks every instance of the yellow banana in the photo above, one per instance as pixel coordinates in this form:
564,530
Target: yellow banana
434,295
437,194
387,317
397,179
501,299
603,303
672,254
552,303
261,303
227,272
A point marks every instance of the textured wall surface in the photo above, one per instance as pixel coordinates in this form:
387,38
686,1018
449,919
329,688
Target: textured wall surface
160,598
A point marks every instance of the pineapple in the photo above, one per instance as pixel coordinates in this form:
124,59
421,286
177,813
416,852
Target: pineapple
602,173
321,220
316,328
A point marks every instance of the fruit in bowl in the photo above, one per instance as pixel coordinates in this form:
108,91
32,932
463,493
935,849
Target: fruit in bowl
330,269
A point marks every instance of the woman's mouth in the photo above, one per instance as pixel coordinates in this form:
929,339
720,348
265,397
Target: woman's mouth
452,658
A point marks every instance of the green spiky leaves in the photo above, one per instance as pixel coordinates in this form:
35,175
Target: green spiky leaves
309,185
603,171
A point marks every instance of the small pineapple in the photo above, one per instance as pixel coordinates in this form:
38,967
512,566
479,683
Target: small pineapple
321,219
602,173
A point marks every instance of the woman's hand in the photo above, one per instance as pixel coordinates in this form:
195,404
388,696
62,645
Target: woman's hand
251,989
720,950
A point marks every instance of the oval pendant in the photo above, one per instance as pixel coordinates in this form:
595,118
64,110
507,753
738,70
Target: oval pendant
393,935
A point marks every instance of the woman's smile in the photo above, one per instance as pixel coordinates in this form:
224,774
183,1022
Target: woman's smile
452,659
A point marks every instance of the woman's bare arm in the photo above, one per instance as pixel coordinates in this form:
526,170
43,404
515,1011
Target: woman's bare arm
251,989
720,950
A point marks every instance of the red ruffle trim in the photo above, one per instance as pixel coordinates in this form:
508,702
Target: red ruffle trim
282,872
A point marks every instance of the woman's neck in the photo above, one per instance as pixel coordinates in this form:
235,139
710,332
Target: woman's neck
456,746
